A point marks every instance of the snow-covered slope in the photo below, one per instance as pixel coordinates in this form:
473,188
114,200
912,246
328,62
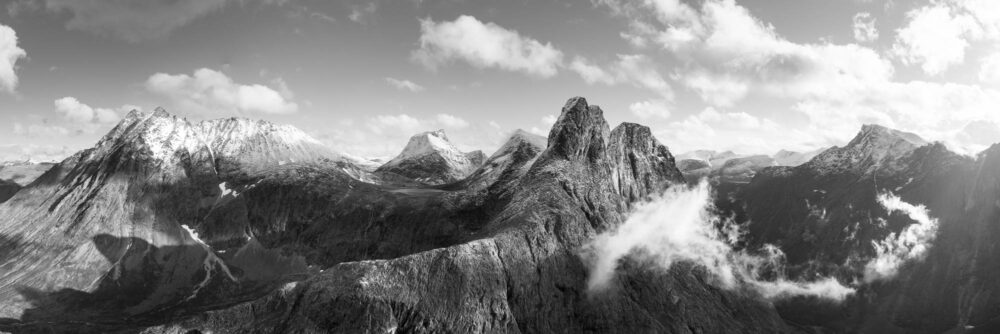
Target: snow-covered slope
431,158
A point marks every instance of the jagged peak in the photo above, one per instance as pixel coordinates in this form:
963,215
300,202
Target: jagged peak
581,130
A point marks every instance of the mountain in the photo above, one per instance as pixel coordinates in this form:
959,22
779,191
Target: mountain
826,216
23,172
506,257
742,169
792,158
107,238
8,189
431,158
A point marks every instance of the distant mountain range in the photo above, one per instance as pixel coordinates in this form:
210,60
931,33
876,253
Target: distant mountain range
235,225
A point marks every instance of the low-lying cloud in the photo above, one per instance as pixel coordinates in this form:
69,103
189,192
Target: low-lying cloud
680,226
909,244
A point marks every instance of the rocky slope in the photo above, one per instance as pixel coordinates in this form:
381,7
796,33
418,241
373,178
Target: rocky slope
430,158
519,267
826,217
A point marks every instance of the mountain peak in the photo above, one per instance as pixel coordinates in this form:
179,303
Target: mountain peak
881,133
431,158
874,147
580,131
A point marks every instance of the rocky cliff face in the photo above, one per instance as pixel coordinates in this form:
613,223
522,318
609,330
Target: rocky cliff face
518,267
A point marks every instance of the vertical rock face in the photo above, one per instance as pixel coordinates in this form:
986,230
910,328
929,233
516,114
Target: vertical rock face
521,271
430,158
640,163
580,132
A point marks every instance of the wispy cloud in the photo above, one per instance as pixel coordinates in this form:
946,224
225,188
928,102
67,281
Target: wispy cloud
404,84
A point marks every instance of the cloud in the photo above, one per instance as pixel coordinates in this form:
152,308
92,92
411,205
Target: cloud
935,38
681,226
131,21
403,84
450,121
545,125
10,53
650,109
725,53
360,14
989,69
637,70
484,45
864,27
208,91
910,244
76,118
72,109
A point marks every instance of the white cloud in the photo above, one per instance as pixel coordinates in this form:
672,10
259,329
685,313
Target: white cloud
637,70
545,125
650,109
909,244
989,69
451,121
10,53
210,91
484,45
680,226
404,84
72,109
864,27
935,38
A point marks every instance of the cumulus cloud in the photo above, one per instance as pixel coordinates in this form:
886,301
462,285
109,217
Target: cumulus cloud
989,69
74,110
403,84
637,70
210,91
650,109
864,27
10,53
910,244
131,21
935,38
681,226
484,45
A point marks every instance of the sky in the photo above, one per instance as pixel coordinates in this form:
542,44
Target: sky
753,76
